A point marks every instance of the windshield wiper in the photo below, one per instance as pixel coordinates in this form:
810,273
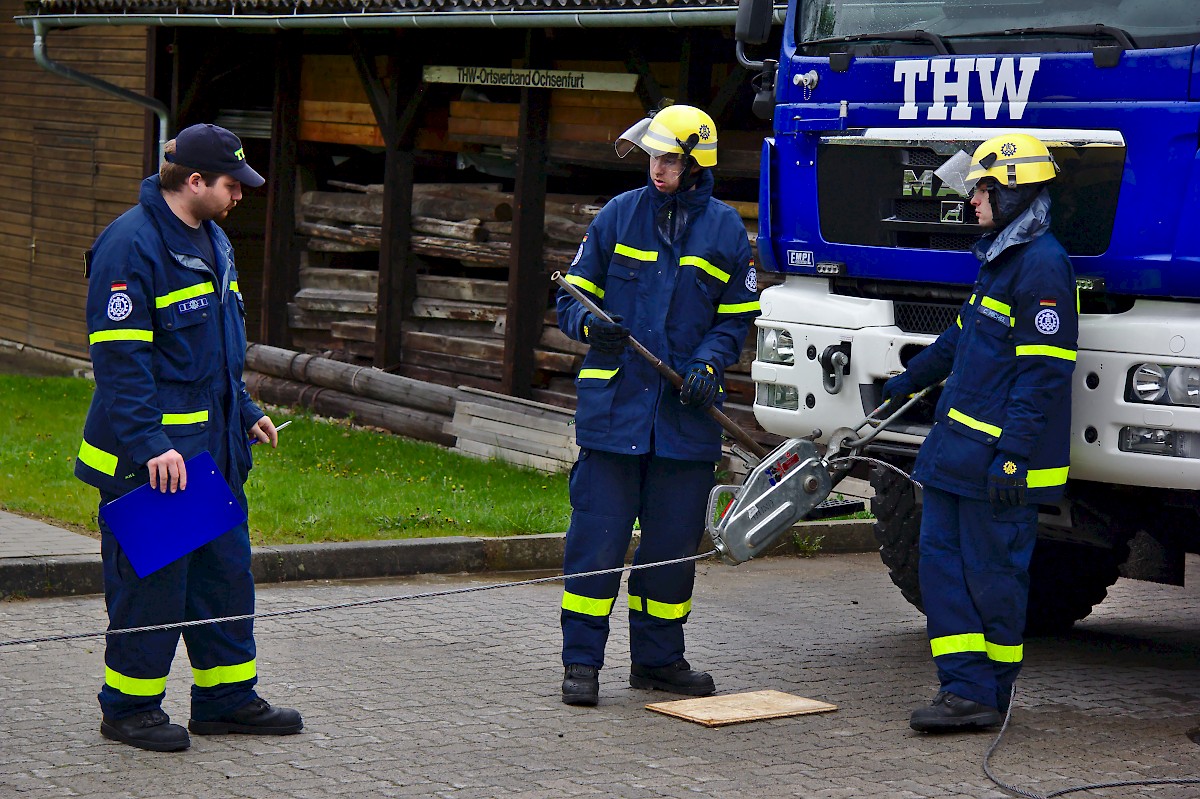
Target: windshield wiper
1116,34
938,42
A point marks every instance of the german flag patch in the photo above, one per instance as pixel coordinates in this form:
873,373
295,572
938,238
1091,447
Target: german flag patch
1048,302
118,285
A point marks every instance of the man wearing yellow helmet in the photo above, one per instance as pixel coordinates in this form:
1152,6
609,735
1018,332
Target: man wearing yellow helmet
672,264
1001,439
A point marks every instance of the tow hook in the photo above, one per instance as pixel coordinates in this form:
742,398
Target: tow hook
835,363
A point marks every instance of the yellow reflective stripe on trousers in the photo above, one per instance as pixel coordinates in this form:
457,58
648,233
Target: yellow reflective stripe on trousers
1005,654
660,610
586,285
999,307
974,424
223,675
1042,478
98,459
636,254
1046,350
739,307
957,644
127,334
700,263
134,686
183,294
185,418
586,605
597,374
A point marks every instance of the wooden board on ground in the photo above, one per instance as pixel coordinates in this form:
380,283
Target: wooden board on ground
717,711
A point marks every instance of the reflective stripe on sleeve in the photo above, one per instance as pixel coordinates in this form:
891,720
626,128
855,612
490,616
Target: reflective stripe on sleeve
957,644
974,424
586,605
597,374
648,256
134,686
185,418
1044,478
739,307
233,285
660,610
124,334
586,285
223,675
183,294
98,459
706,266
1047,351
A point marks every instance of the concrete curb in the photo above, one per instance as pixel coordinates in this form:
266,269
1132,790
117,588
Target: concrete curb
74,575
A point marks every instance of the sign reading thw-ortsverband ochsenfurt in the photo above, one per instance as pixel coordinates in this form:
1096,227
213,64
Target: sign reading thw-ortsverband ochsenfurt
532,78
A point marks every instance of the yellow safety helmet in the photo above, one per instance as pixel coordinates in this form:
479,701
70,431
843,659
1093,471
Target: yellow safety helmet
1013,159
675,129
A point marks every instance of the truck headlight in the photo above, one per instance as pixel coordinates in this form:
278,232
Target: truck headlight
1157,441
773,395
775,346
1164,384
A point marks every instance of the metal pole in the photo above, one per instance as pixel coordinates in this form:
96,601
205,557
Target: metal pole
730,426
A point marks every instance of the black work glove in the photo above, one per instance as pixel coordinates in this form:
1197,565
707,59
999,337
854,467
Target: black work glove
700,385
900,387
602,336
1007,481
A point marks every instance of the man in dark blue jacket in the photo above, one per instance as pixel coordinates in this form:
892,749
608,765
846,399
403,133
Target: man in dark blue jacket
167,335
1001,440
671,265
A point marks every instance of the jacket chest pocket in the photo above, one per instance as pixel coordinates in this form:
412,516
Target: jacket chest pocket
186,307
993,318
711,278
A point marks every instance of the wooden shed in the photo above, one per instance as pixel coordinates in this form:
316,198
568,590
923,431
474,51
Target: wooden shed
430,162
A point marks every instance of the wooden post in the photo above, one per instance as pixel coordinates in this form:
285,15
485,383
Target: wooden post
398,125
527,283
281,277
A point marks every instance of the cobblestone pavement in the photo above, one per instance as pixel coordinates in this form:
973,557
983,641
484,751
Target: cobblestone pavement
458,697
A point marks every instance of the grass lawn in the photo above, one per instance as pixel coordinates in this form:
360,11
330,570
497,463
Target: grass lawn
326,482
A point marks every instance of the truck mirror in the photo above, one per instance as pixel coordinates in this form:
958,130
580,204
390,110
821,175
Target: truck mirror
753,24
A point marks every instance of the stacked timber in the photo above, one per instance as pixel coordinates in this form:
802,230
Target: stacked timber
534,434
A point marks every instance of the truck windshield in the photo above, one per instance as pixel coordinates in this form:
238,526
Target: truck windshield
994,25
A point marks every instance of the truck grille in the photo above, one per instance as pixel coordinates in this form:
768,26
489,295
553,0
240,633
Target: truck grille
924,317
881,193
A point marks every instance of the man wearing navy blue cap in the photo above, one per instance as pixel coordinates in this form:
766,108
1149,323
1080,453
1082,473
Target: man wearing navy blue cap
167,336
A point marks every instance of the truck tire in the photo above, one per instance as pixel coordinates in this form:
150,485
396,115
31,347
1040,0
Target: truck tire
1066,580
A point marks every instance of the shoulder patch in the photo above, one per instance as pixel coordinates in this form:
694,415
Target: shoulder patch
579,252
751,280
1046,322
119,306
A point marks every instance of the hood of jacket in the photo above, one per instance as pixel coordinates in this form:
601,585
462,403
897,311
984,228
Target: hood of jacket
1033,222
171,227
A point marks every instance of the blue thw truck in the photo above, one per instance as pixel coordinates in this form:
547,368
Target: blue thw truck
868,98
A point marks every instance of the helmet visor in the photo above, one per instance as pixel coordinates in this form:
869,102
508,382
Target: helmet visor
954,173
631,139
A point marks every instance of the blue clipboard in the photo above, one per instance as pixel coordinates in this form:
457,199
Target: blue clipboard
155,529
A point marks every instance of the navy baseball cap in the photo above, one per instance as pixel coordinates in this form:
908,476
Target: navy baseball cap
209,148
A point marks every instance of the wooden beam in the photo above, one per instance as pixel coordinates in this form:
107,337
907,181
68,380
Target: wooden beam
397,263
377,93
648,90
281,277
527,283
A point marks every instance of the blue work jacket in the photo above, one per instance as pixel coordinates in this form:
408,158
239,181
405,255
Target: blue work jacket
167,337
1009,358
678,269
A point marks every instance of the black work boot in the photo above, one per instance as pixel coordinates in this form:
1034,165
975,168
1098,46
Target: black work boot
256,717
581,685
677,678
150,729
949,713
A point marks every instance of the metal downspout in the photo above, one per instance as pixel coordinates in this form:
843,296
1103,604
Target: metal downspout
41,55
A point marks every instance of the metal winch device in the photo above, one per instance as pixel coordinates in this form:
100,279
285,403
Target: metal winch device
789,484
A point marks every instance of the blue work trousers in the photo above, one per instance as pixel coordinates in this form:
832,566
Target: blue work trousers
608,492
211,582
975,587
